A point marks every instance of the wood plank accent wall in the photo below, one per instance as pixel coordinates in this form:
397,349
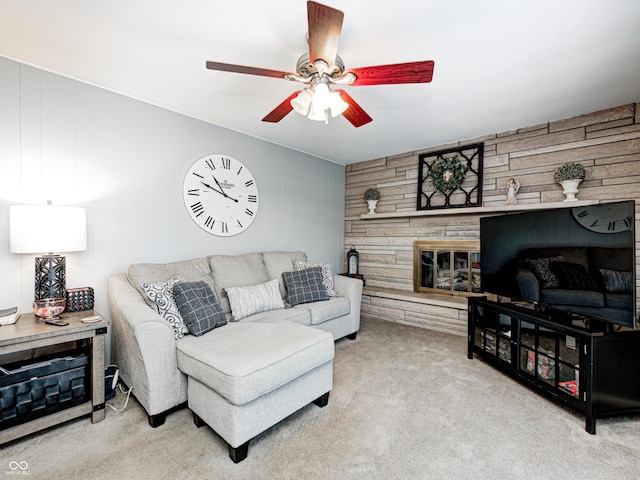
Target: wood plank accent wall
606,142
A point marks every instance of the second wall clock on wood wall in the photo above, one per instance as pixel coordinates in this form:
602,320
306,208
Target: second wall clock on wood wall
450,178
221,195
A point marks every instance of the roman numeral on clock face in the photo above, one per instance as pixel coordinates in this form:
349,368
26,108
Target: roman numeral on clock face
252,198
209,222
226,163
223,227
197,209
194,191
248,183
248,212
210,164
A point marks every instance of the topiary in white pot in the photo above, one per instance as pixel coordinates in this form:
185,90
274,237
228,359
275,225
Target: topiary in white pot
372,195
569,175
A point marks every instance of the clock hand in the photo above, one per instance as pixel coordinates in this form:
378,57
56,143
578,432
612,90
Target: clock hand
215,190
218,183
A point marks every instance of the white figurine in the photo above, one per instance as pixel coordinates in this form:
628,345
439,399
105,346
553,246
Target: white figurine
512,188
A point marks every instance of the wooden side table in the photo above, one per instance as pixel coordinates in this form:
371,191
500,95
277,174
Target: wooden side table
27,333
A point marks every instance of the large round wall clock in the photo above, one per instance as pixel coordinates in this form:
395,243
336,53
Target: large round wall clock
604,218
220,195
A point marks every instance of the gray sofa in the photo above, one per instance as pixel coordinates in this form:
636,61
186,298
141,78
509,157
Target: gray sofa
592,281
153,361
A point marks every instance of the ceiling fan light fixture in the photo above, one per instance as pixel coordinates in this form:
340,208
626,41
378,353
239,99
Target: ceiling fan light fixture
302,102
321,97
337,105
317,114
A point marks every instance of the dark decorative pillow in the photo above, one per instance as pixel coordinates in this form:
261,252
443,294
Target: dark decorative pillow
573,276
198,307
541,269
305,286
614,281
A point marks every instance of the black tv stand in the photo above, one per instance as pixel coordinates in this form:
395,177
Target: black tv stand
590,366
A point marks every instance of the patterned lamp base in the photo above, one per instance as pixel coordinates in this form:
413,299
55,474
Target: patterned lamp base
51,277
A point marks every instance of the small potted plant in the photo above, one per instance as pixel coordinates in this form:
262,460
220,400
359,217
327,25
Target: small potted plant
372,195
569,175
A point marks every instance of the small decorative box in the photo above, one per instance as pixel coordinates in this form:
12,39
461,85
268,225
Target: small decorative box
79,299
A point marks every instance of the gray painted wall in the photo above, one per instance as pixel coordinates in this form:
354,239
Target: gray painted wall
124,161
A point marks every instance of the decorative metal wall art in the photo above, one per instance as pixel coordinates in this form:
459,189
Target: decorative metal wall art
451,178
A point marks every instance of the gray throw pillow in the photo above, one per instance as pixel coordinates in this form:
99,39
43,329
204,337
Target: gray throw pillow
198,307
305,286
327,274
573,276
614,281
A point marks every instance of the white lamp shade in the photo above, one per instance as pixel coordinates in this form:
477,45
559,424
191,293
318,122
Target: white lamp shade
47,229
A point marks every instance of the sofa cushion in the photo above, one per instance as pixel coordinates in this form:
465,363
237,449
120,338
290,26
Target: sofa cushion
191,270
236,271
198,306
161,296
253,299
301,317
620,301
323,311
243,361
573,276
561,296
327,274
305,286
279,262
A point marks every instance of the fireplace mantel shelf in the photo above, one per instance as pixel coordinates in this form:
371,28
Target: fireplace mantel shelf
487,210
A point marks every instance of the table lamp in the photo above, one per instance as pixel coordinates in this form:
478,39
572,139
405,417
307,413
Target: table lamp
48,228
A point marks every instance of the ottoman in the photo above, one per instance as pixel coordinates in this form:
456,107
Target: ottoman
245,377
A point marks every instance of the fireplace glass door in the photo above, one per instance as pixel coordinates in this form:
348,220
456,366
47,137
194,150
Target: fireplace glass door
447,267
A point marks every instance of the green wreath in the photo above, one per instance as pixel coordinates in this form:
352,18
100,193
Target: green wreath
447,174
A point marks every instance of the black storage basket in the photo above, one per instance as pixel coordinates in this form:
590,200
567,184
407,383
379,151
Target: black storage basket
32,391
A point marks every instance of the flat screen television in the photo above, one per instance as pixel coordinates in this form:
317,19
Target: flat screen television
578,259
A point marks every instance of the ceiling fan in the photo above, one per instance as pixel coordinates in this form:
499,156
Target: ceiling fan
321,69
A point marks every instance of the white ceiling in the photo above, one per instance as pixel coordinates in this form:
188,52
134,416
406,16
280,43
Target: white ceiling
499,64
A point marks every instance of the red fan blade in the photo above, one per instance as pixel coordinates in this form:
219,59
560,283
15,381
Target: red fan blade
281,110
355,114
413,72
228,67
325,25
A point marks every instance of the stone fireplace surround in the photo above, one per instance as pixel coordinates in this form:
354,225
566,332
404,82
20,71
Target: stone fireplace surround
606,142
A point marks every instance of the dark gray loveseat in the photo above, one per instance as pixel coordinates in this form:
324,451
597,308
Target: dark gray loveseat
586,280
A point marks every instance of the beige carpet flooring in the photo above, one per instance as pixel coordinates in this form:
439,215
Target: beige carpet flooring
406,404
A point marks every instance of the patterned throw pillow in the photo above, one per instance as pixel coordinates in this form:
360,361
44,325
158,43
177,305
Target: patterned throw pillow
161,294
305,286
541,269
327,274
614,281
198,307
253,299
573,276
